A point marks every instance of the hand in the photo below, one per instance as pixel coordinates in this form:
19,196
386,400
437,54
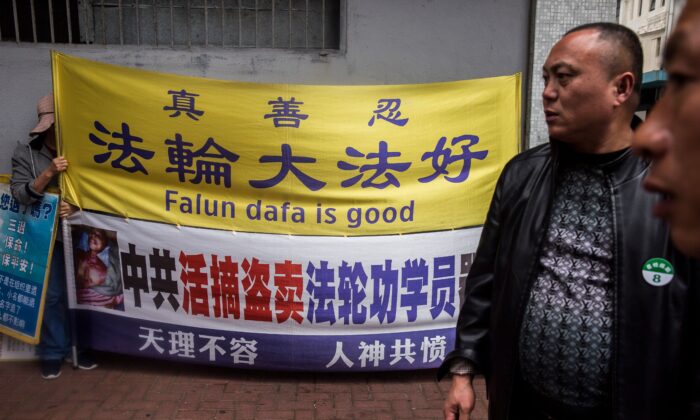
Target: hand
66,209
460,399
58,164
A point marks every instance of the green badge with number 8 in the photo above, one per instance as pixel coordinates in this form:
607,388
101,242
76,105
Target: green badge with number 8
657,272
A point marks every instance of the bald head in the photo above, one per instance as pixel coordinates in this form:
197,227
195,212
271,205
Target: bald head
624,49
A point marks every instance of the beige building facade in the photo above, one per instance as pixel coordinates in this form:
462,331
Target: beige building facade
652,20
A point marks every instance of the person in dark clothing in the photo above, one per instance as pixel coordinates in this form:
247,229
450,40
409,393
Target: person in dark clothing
671,135
35,167
576,305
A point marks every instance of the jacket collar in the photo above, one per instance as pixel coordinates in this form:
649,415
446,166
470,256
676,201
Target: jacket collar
621,167
37,143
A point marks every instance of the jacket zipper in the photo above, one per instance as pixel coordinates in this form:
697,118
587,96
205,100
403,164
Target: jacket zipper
616,300
531,273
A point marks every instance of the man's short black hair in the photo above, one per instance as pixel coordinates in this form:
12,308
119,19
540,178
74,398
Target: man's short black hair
625,41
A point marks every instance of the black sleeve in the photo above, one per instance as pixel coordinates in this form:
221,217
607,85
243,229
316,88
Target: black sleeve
472,335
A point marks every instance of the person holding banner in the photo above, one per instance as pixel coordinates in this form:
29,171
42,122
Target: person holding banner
671,135
577,306
35,167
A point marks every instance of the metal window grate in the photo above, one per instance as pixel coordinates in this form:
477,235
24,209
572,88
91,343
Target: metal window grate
288,24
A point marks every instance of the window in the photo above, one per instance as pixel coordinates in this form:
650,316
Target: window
657,46
652,5
289,24
39,21
631,10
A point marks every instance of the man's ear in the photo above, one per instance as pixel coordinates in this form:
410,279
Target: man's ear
624,87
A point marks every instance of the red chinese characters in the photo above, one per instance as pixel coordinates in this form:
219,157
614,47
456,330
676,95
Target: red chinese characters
195,281
257,294
289,283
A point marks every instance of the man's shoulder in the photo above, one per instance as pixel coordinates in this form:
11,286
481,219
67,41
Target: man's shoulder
530,159
21,149
543,151
24,147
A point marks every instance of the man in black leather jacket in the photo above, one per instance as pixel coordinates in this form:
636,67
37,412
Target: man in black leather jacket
577,306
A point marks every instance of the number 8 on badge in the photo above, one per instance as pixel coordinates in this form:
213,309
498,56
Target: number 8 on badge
657,272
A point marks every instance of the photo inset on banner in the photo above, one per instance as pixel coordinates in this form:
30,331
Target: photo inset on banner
98,279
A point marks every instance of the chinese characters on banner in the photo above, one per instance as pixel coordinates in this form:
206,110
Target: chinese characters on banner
268,301
290,159
276,226
26,234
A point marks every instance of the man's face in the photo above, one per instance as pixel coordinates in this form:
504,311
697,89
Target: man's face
578,96
671,135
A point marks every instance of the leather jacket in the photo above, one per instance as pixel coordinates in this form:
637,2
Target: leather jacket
654,363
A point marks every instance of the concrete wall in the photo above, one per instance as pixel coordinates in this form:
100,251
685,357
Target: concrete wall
386,42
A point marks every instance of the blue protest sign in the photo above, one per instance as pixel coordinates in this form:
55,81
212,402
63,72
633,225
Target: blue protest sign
26,240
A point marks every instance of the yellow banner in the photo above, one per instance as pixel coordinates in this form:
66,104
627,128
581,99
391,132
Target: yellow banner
277,158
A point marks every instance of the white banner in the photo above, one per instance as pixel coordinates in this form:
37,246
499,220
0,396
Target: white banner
163,282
